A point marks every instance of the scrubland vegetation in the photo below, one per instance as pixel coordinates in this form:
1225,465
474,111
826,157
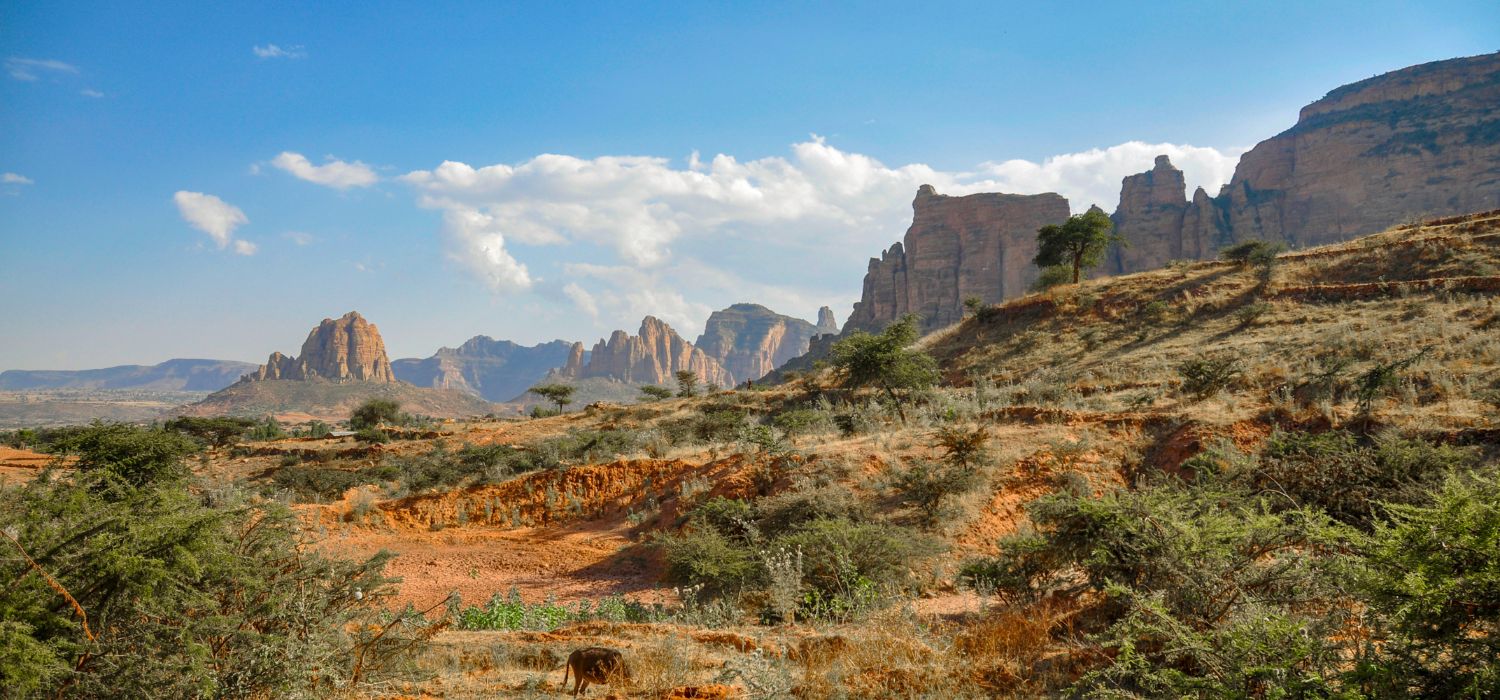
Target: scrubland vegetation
1259,477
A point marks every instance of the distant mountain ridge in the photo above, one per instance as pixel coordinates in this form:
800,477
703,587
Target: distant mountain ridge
751,341
495,370
172,375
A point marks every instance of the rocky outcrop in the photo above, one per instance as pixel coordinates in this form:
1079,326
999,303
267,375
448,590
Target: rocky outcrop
653,356
750,340
1419,142
980,245
495,370
345,349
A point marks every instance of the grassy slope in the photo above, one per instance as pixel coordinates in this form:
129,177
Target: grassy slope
1076,383
330,401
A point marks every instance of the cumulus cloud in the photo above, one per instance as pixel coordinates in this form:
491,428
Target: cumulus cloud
582,299
32,69
335,173
274,51
788,227
475,243
215,217
90,92
15,179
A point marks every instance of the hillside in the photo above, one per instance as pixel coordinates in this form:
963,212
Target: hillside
494,370
1092,390
302,400
172,375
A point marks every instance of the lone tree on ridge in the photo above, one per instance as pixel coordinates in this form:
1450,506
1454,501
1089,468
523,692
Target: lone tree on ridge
559,394
1079,242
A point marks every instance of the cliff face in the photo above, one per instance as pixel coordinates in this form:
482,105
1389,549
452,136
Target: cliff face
345,349
495,370
652,356
750,340
957,247
1418,142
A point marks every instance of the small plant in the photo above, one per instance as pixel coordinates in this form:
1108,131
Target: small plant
373,413
652,392
1205,376
1248,314
1257,253
1154,311
1380,378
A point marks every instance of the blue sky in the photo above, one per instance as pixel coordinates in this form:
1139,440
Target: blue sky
187,181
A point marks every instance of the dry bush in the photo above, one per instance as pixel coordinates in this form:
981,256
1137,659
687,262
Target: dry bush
1006,648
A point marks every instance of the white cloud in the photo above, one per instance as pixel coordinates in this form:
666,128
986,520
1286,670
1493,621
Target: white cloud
274,51
215,217
791,223
90,92
335,173
298,237
243,247
1093,176
637,293
15,179
475,243
582,299
32,69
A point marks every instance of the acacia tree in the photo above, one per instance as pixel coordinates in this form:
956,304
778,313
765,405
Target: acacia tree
559,394
885,361
1078,243
652,392
687,383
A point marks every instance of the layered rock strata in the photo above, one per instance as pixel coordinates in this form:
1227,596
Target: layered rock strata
750,340
348,348
653,356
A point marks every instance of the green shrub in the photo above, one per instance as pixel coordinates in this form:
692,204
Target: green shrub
1021,573
1205,376
1345,477
841,556
802,421
186,593
705,557
214,432
129,455
731,517
1248,314
1253,252
375,435
374,412
1431,580
928,487
806,502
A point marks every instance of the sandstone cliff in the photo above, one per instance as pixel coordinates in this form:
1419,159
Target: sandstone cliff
750,340
496,370
957,247
348,348
653,356
1419,142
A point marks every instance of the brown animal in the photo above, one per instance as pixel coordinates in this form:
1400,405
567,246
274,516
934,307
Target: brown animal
594,665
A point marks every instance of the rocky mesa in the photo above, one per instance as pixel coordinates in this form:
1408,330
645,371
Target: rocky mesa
653,356
1420,142
750,340
347,348
980,245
